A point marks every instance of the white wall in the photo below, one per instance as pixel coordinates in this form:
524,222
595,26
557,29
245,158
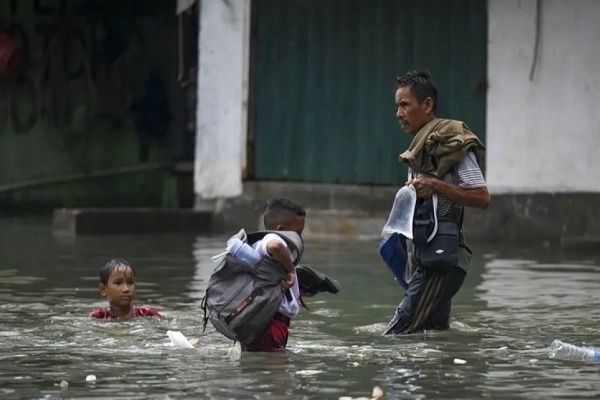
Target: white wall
544,135
222,98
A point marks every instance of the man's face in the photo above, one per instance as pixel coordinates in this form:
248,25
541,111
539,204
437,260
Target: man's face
120,289
412,114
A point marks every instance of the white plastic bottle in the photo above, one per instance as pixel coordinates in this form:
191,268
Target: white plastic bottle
243,251
240,250
566,351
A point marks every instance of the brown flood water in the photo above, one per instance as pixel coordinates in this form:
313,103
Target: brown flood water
513,304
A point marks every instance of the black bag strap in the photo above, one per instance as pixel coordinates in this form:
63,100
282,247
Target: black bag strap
423,220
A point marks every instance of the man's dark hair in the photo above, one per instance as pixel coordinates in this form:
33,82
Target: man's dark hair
421,85
279,210
110,266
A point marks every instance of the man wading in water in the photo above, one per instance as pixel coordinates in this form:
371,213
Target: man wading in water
443,160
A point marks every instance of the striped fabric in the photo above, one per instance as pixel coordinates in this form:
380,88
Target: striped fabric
467,175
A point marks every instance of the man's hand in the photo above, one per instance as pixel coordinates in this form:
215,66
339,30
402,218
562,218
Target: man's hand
424,185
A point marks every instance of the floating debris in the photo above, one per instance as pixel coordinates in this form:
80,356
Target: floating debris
235,353
377,394
64,384
459,361
309,372
90,378
179,340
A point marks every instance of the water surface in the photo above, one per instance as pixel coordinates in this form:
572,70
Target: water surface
513,304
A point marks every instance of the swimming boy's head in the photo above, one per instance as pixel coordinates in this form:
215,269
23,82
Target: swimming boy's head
117,282
283,214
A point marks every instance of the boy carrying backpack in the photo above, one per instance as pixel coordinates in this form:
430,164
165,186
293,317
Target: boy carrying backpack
254,301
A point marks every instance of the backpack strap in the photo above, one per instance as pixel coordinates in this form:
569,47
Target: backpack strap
292,239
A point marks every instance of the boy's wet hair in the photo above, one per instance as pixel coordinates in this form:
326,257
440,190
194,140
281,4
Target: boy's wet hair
279,210
110,266
421,85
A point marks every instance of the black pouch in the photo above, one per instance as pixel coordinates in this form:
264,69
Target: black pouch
443,250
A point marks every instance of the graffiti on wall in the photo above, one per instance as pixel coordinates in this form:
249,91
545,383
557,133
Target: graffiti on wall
77,67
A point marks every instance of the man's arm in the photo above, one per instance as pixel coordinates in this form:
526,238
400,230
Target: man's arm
471,190
426,186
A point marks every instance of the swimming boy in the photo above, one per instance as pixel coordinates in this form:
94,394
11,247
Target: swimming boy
117,284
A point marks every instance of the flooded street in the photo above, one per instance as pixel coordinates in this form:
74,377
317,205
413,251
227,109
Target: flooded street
514,303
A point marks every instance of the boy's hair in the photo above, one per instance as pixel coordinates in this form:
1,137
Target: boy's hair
110,266
421,85
279,210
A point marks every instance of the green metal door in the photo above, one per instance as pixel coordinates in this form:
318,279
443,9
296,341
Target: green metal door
323,74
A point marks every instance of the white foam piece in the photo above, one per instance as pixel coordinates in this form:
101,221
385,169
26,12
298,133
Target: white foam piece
179,340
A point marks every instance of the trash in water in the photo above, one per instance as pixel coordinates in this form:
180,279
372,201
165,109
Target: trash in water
179,340
309,372
567,351
459,361
235,353
377,394
90,378
64,384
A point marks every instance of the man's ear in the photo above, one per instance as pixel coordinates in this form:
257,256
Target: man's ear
279,228
102,289
428,105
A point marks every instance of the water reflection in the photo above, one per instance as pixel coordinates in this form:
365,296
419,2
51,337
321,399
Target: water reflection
203,250
513,304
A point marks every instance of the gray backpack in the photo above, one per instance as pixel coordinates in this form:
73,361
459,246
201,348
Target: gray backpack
241,299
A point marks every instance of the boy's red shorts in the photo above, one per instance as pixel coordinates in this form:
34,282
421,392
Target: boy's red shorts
274,338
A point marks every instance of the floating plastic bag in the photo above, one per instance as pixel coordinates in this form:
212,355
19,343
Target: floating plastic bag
179,340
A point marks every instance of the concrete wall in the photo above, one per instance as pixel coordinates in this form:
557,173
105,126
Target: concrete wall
543,134
222,98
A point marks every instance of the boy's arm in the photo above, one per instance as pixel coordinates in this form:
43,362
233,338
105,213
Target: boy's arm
281,253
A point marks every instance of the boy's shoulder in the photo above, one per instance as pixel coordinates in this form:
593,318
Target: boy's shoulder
138,311
145,311
273,236
100,313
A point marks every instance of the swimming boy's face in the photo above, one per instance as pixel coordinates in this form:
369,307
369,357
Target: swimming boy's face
120,288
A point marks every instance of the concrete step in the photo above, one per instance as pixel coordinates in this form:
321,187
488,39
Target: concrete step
110,221
344,224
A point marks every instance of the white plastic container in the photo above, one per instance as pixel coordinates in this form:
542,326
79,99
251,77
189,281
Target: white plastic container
566,351
243,251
